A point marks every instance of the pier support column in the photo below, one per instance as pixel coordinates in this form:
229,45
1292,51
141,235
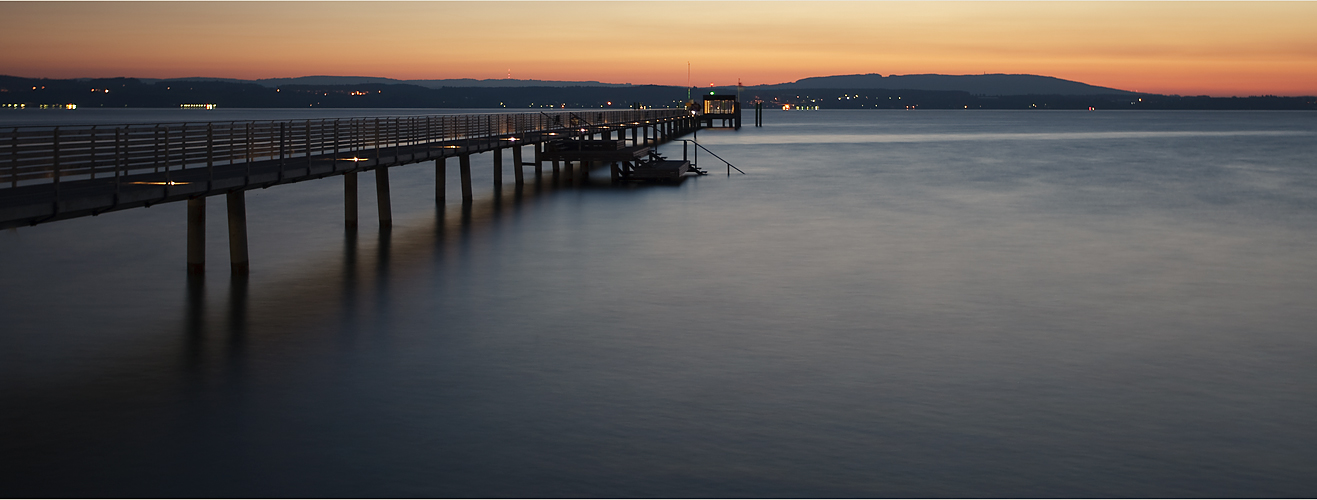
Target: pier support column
464,168
196,235
498,167
237,203
556,173
517,175
615,172
440,180
350,200
539,160
382,196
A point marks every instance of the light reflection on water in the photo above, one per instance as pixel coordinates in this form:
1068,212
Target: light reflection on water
843,138
1125,316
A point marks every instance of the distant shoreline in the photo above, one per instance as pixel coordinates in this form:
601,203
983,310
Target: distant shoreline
17,92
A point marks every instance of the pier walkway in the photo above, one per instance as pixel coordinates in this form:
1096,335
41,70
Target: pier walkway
50,173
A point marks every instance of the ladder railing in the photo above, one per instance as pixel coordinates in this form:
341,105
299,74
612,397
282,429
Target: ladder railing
730,167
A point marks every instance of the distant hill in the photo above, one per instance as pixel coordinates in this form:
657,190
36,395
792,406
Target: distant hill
360,80
134,93
992,85
986,85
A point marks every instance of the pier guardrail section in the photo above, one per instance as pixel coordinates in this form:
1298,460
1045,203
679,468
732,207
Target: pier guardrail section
34,155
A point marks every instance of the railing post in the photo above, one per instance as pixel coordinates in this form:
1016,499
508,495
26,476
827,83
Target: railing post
155,152
117,163
55,151
210,155
228,139
247,175
283,136
307,142
13,160
182,149
168,178
334,166
92,160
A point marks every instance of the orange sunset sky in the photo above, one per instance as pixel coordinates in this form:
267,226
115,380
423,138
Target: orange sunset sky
1188,48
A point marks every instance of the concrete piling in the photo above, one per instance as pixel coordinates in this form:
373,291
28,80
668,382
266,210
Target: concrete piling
350,200
237,204
464,169
196,235
517,175
382,196
440,180
539,160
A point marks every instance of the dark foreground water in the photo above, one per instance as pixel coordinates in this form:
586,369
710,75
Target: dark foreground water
1019,304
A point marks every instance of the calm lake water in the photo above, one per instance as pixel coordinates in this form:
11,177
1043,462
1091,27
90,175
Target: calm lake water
927,303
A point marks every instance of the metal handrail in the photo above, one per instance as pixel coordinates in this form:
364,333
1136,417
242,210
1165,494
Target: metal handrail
730,167
48,154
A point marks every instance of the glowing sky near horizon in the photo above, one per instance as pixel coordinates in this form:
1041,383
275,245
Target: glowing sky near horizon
1188,48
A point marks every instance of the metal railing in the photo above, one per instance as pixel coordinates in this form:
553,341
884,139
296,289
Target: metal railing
698,147
49,154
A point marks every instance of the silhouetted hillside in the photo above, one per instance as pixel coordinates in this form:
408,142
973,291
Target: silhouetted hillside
432,84
996,84
130,92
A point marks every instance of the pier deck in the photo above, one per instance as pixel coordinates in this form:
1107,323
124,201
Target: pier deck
55,173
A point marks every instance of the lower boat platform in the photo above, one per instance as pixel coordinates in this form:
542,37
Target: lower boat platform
658,170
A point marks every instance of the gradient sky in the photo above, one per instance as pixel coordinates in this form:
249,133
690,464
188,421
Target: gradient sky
1188,48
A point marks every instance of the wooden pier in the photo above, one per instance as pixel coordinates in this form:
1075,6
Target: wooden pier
55,173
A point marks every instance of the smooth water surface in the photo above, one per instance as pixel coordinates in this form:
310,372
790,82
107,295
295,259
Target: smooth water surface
928,303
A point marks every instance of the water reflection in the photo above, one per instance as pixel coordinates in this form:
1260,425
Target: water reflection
401,256
195,319
237,320
931,324
221,322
